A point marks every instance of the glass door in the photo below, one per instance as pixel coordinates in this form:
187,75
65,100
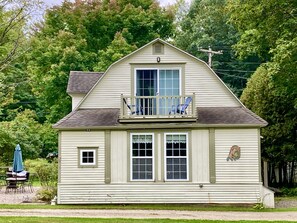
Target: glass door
147,86
153,82
169,87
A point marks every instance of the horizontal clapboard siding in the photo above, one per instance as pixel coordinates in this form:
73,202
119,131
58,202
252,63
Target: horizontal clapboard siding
246,169
70,170
199,79
158,193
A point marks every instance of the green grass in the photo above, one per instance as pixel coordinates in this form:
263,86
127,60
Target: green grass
112,220
180,207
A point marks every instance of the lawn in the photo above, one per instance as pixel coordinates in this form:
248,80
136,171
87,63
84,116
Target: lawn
179,207
111,220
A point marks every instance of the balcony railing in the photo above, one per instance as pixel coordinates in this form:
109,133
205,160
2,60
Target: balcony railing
158,107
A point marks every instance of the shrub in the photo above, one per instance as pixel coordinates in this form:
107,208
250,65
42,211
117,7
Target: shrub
47,173
46,193
289,192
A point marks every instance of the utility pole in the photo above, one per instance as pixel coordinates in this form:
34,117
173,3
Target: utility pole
210,54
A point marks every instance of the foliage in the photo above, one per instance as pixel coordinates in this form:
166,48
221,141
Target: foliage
289,192
14,14
206,24
6,146
271,92
47,173
73,34
115,51
35,139
15,91
46,193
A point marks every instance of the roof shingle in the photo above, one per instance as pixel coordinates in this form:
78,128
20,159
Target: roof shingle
82,82
107,117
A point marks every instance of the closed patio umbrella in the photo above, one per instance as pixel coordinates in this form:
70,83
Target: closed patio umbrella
17,160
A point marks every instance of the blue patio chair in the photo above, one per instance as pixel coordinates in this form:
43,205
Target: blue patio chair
181,108
135,109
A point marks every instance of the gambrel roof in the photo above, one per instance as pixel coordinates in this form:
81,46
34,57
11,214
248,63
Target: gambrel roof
108,117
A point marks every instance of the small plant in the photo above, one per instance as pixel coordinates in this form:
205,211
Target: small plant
46,193
259,206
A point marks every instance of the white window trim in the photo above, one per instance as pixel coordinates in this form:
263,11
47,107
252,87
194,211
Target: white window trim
87,150
152,157
158,77
165,156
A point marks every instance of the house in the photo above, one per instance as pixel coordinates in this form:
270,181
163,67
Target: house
158,126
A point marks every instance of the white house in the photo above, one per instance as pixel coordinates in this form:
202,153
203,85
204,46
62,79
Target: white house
158,126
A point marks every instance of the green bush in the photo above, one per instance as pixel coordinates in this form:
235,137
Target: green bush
46,193
47,173
289,192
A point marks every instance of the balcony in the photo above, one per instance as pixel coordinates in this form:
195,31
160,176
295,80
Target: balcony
158,108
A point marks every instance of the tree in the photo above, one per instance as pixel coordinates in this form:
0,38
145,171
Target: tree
36,140
6,146
15,91
271,35
73,34
206,24
115,51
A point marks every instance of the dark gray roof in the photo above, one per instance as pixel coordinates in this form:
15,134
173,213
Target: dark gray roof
89,118
82,82
108,117
228,115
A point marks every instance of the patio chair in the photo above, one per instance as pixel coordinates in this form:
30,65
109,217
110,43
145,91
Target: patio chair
135,109
181,108
28,182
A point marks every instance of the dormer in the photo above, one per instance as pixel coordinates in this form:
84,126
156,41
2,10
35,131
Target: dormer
80,83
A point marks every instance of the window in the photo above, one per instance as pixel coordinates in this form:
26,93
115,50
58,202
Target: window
142,156
176,156
87,157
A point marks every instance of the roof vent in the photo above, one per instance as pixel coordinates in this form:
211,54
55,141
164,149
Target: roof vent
158,48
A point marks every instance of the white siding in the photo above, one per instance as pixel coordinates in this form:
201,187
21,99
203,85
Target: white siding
199,79
200,156
76,99
70,171
158,193
119,157
245,169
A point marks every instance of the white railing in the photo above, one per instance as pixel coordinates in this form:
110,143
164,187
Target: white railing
158,106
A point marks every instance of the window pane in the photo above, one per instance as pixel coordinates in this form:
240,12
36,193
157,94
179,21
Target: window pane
142,152
176,161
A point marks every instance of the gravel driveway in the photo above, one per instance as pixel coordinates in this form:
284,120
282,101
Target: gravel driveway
17,198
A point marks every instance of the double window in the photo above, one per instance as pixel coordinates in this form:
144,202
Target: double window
175,156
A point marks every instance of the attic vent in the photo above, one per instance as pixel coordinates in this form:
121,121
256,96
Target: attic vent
158,48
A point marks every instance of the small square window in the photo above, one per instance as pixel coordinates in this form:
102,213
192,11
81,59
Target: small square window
87,157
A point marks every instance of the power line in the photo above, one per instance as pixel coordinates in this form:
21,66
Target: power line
232,75
244,71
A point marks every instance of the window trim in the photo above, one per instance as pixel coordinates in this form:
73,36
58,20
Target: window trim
187,156
87,149
152,157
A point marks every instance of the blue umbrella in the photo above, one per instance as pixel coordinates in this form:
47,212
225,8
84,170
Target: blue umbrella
17,160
